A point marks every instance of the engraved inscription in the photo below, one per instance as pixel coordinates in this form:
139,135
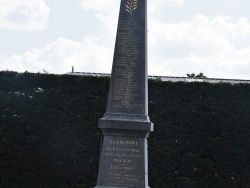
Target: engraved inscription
126,86
125,158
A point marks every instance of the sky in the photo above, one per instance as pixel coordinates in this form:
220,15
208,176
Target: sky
184,36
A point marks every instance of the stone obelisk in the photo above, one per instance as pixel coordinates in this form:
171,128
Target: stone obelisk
126,125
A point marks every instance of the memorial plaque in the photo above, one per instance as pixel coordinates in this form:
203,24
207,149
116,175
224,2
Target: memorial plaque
126,125
124,164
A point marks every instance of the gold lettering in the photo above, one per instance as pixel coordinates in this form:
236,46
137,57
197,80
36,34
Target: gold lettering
124,142
118,167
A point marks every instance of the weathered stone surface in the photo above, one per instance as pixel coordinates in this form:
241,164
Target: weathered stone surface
126,125
128,86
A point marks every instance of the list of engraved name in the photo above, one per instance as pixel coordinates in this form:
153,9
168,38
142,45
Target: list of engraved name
126,62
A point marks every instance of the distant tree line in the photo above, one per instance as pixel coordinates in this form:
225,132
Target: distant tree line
199,76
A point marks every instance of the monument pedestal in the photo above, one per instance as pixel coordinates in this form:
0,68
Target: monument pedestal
124,152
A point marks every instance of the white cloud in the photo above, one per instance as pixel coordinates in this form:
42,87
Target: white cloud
99,6
23,14
108,5
60,55
107,11
165,3
155,6
218,47
202,45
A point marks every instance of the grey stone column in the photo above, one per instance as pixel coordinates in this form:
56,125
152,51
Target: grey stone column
126,125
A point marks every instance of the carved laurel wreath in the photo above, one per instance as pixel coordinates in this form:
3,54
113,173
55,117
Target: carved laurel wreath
131,5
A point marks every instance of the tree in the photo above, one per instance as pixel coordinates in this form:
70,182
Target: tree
199,76
191,75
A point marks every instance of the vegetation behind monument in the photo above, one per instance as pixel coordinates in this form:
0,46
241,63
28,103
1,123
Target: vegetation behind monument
49,135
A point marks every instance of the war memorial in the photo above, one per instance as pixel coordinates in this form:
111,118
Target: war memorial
126,125
49,135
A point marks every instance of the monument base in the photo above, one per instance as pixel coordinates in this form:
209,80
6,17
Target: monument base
124,156
112,187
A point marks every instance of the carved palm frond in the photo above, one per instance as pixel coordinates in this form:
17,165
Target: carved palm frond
131,6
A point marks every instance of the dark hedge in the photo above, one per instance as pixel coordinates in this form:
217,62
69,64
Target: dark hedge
49,135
